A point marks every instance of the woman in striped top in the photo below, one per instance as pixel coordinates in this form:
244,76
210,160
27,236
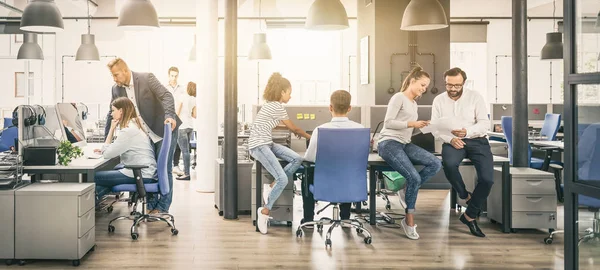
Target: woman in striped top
262,148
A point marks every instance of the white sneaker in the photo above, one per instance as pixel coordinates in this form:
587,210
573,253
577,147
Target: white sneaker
178,171
401,196
262,220
411,232
266,192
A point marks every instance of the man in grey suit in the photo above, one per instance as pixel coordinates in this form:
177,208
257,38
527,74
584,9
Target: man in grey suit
156,107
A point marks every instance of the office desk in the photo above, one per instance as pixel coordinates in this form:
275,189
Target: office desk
82,165
376,163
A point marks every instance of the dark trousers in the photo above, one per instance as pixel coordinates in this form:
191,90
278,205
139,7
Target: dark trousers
176,155
479,152
308,200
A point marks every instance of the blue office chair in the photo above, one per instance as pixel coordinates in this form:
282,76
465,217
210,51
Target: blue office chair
340,176
550,127
8,136
588,171
162,187
536,163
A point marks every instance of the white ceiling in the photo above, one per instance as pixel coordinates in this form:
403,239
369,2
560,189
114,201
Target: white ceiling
299,8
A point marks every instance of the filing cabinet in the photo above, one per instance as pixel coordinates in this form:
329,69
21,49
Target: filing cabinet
244,186
283,209
55,221
7,225
533,199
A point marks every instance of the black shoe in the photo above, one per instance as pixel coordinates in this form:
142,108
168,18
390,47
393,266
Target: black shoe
475,230
185,177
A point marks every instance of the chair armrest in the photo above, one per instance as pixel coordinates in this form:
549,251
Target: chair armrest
139,181
136,167
556,167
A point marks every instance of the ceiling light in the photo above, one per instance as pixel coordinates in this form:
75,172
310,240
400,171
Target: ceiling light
87,50
422,15
42,16
260,50
327,15
138,15
30,50
553,49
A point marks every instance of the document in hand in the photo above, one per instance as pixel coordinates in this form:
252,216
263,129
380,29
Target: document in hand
443,126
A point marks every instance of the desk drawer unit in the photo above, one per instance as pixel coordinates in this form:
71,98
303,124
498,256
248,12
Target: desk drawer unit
533,199
7,224
54,221
283,207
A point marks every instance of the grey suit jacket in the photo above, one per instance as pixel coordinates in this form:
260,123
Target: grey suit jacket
154,102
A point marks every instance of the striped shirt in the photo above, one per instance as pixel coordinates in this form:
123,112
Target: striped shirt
269,116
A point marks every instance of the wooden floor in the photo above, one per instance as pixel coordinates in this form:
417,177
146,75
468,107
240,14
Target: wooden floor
207,241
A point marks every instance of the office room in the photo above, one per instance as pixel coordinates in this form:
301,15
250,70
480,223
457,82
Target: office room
300,134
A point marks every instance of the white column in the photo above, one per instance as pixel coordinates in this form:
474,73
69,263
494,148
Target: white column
207,100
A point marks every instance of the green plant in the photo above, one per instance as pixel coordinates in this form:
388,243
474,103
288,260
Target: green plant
67,152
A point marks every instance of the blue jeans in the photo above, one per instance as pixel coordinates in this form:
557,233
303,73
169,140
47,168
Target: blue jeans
106,180
158,201
184,144
401,158
267,155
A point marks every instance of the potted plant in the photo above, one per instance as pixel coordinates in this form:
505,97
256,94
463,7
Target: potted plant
67,152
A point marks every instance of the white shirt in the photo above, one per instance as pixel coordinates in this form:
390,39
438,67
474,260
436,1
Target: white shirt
187,104
131,95
269,116
132,146
470,109
176,91
336,122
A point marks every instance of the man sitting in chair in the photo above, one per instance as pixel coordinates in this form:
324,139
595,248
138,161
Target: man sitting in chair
339,107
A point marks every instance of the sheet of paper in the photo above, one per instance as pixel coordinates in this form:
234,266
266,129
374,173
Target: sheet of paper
443,126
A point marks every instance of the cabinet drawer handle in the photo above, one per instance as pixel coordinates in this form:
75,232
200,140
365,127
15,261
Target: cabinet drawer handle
534,199
534,182
534,214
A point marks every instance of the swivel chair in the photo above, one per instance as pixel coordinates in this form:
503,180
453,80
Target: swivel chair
340,176
142,190
536,163
587,171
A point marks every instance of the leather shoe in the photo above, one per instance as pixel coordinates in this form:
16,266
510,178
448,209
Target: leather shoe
473,227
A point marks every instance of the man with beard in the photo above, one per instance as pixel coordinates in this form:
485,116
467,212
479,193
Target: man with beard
468,141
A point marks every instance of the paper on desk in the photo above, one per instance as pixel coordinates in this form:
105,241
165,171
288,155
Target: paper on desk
443,126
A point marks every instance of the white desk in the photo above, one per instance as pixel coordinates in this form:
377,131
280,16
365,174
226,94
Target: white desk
82,165
558,144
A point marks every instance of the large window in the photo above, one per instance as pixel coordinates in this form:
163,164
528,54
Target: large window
468,56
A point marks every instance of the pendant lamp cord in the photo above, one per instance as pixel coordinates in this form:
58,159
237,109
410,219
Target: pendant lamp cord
554,26
88,13
260,15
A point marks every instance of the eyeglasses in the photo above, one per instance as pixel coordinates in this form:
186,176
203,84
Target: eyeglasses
454,86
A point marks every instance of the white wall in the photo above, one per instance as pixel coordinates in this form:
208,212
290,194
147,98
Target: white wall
499,42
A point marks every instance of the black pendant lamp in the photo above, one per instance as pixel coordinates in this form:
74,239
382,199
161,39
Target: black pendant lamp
553,50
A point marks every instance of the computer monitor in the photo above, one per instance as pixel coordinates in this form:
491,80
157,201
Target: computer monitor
71,123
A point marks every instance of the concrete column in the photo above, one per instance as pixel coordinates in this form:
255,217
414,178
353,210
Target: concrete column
206,95
519,81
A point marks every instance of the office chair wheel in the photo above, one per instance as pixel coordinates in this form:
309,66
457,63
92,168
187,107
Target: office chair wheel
21,262
548,241
327,242
388,207
359,231
368,240
299,233
135,213
111,228
174,231
8,262
76,262
320,228
493,221
134,236
109,209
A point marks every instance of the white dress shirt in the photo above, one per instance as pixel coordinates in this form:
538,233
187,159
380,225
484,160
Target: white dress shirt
470,109
336,122
131,95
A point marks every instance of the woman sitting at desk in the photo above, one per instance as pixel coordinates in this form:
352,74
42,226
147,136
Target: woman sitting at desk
132,145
